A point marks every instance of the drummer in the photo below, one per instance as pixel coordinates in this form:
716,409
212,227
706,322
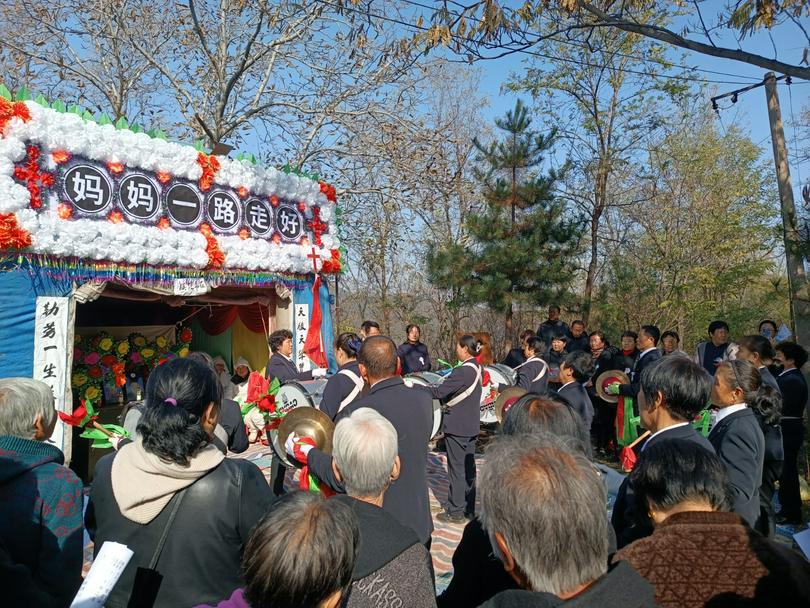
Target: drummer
533,374
346,385
460,392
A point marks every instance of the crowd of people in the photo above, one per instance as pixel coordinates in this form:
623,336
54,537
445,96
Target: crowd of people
692,525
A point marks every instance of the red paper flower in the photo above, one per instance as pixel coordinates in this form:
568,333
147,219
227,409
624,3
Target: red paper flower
164,223
120,380
65,211
242,192
185,335
115,167
60,156
34,177
118,368
109,361
257,387
216,259
163,177
268,404
9,110
276,239
95,372
77,417
115,217
273,200
12,236
244,234
332,265
210,165
329,191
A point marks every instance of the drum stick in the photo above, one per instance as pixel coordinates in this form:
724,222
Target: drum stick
96,425
642,436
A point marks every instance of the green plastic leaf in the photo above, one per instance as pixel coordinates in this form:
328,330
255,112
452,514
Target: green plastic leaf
88,116
75,109
40,99
135,128
22,94
58,105
199,145
160,135
121,123
104,120
4,92
88,405
274,386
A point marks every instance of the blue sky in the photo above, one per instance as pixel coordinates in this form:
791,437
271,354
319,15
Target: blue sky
749,113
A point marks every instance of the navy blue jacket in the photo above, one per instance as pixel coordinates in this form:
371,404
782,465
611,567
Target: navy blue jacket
337,388
464,418
527,372
410,410
413,357
740,444
549,329
577,397
767,378
794,393
630,527
583,343
279,366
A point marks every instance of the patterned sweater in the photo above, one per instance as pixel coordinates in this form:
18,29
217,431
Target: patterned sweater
41,526
696,559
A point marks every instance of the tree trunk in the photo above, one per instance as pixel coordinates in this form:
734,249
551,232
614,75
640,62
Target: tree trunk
508,323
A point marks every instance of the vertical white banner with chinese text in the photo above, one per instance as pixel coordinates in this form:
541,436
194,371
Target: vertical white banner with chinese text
300,329
53,354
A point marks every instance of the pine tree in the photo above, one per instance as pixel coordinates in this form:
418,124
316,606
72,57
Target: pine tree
523,246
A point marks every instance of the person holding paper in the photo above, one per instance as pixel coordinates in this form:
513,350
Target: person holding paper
173,483
41,526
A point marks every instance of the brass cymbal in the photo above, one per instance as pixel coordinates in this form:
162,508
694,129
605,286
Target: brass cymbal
608,377
507,396
307,422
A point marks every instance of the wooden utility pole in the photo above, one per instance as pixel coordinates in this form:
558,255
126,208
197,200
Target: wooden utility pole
799,294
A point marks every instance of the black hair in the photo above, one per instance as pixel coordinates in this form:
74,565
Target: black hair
471,343
629,334
410,326
717,324
301,552
536,344
601,335
277,338
760,397
684,385
671,333
770,322
580,363
554,307
379,356
526,333
653,332
672,472
177,395
578,322
350,343
793,352
366,325
562,337
759,345
534,413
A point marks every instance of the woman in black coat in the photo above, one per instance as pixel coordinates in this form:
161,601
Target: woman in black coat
346,385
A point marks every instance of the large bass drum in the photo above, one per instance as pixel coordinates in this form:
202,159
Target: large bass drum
291,395
426,379
500,377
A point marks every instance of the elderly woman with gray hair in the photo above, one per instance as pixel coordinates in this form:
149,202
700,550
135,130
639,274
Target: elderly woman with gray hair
41,527
390,556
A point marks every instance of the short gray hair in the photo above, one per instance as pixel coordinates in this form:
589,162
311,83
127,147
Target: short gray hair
365,448
21,401
546,499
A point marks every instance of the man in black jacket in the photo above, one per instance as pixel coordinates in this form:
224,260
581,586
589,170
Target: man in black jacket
577,368
551,326
527,486
579,338
674,390
647,343
410,410
794,399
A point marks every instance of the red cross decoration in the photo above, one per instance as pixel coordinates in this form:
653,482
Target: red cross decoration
317,226
33,176
315,258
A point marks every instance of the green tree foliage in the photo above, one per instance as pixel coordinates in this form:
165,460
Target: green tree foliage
703,244
522,247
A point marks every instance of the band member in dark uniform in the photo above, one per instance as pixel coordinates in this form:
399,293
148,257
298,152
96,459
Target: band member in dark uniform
461,394
413,354
576,368
281,366
533,374
346,385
